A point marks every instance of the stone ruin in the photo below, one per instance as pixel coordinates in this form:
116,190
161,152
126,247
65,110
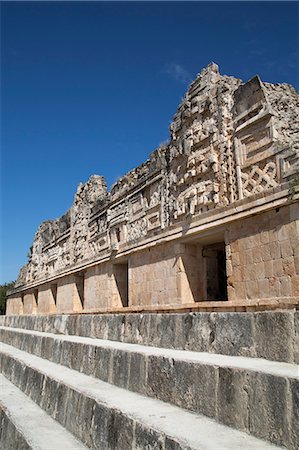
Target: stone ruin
164,314
211,216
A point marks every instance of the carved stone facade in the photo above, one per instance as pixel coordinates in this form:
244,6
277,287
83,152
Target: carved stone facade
233,153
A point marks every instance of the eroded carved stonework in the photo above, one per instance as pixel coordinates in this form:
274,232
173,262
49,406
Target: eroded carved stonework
228,140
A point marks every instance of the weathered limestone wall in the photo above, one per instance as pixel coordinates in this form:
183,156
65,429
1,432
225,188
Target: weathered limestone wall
153,276
46,301
100,287
228,333
30,303
263,255
69,294
14,305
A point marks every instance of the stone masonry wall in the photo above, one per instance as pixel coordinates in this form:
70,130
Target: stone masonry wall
233,149
263,255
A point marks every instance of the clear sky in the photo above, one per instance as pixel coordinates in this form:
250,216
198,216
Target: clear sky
92,87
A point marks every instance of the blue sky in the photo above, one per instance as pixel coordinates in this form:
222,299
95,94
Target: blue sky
92,87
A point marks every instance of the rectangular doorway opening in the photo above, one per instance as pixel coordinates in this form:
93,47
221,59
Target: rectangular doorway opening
54,292
215,271
121,274
35,296
80,287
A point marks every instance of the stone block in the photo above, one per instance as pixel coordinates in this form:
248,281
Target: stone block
138,373
168,330
103,363
61,324
170,444
268,408
294,415
61,406
155,332
183,325
120,431
251,289
264,237
160,378
73,324
275,250
101,420
295,286
260,270
257,255
201,332
274,287
286,286
234,334
35,386
266,254
240,290
47,400
144,327
77,352
115,327
268,269
88,359
120,368
236,259
264,288
72,421
286,249
84,418
277,268
274,332
147,439
66,354
194,387
100,326
232,398
46,347
84,325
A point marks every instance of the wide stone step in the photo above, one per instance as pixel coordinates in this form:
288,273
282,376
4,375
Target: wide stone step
253,395
104,416
24,425
242,334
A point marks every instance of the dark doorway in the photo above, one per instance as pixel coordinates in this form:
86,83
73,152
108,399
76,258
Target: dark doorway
54,292
215,271
79,280
121,278
35,295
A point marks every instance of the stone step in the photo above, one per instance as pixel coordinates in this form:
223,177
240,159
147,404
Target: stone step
252,395
239,334
24,425
104,416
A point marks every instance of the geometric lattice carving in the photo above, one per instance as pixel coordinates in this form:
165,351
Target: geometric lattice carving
258,180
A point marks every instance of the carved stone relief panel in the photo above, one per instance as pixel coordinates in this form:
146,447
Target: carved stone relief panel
99,244
136,206
254,138
118,234
259,177
137,229
98,226
117,213
153,220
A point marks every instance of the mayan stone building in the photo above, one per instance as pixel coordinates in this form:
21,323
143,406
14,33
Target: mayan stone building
163,315
213,215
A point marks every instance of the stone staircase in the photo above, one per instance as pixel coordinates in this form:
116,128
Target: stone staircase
150,381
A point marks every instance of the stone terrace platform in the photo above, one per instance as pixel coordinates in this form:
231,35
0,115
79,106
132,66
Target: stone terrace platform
194,380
